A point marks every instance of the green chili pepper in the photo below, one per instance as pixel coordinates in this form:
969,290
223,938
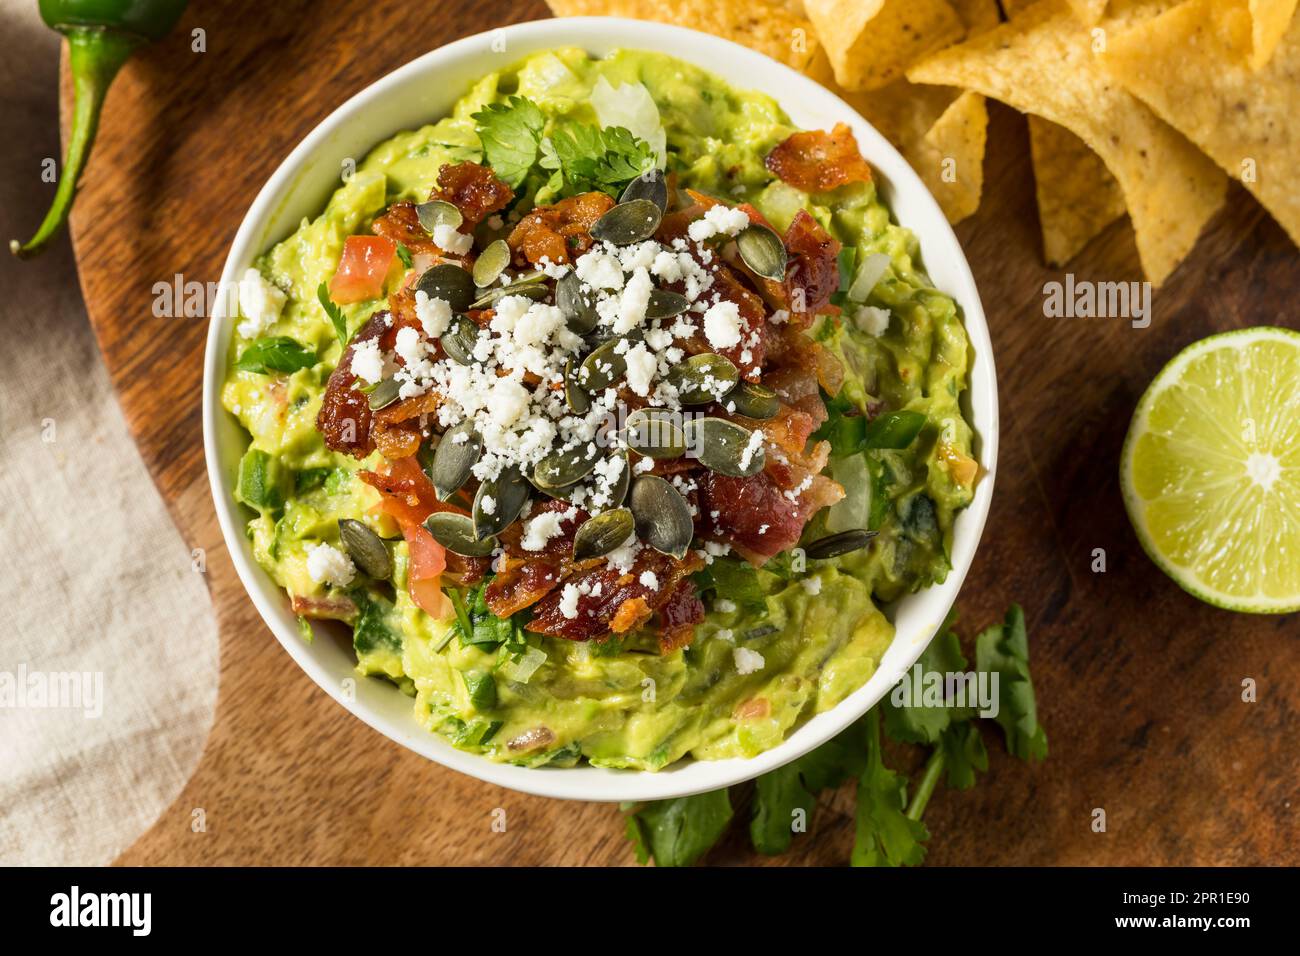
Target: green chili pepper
102,35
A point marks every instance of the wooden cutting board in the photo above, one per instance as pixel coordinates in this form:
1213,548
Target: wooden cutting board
1139,685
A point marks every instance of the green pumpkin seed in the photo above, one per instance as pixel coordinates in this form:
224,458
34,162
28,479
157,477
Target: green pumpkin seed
664,304
454,459
508,493
459,340
653,433
452,283
491,262
753,401
762,250
628,222
649,185
724,447
577,304
530,285
702,378
455,532
598,536
575,396
834,545
438,212
561,469
366,548
603,367
662,516
384,394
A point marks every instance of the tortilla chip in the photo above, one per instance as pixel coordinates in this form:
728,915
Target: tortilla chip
1089,11
871,42
763,25
1077,195
1192,66
955,172
977,15
1042,63
1269,22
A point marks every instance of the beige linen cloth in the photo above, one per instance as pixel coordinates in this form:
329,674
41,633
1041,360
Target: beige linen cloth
94,578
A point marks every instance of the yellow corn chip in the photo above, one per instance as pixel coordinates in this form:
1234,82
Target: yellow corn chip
977,15
1269,22
1089,11
761,25
1042,63
1077,195
1191,65
871,42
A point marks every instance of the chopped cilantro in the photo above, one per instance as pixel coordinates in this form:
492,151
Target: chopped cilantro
277,353
334,312
736,581
1004,649
404,254
511,133
589,159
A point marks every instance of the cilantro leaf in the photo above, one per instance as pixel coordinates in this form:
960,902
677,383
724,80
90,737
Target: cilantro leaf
334,312
850,432
963,754
278,353
1004,650
486,630
782,792
511,133
589,158
886,835
404,254
919,722
678,832
371,629
736,581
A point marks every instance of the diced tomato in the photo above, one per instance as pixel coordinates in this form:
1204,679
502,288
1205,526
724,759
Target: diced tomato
428,561
363,267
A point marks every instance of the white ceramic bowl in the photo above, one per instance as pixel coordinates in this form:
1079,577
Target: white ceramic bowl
425,90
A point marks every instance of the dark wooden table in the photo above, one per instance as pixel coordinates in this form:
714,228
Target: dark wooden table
1139,684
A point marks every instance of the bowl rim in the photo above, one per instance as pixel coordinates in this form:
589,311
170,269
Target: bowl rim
788,87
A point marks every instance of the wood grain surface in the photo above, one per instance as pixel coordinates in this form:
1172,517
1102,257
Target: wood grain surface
1139,685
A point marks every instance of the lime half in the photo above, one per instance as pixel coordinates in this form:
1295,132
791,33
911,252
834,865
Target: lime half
1211,470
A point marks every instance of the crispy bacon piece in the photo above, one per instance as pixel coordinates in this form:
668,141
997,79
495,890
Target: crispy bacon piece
678,617
401,224
344,419
559,231
747,355
324,608
816,161
397,430
765,514
406,492
475,190
620,602
813,274
791,351
525,577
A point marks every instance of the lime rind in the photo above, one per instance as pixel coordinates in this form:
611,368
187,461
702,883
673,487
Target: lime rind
1267,520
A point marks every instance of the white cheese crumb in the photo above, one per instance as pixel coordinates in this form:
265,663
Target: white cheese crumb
367,361
812,585
718,221
650,580
873,321
722,325
569,601
641,368
434,314
260,301
600,271
747,661
449,239
723,606
541,529
328,564
751,449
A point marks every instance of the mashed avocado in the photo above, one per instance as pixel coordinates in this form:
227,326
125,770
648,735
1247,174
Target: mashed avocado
817,629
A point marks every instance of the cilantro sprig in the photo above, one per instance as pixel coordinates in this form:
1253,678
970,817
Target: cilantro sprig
888,826
573,158
334,312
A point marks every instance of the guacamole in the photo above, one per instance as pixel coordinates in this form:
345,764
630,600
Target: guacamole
777,643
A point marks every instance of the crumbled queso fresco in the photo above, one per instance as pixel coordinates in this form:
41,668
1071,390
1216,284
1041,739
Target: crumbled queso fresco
513,391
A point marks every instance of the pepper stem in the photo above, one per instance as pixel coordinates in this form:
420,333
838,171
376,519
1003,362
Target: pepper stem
95,56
